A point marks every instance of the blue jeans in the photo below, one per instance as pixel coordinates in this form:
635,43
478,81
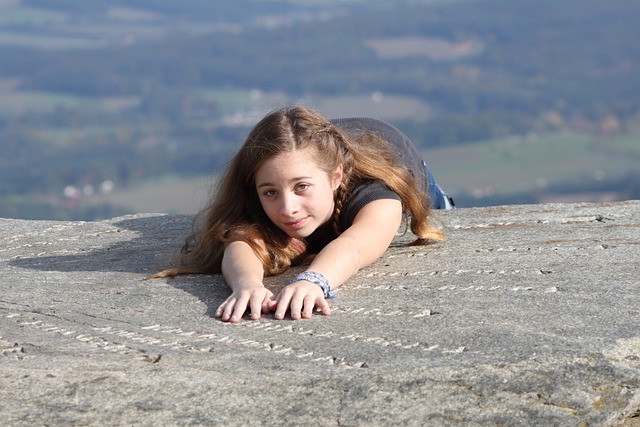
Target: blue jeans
438,198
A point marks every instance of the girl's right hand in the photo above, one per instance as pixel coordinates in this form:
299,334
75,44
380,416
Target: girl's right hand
254,298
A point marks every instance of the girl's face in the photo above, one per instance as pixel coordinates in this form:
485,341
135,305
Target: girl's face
295,193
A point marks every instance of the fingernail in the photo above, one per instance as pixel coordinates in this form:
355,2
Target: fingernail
306,312
295,313
279,314
234,317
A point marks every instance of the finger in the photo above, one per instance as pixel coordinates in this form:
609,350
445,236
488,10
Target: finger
239,310
296,305
219,310
283,304
224,311
270,303
255,308
323,305
308,305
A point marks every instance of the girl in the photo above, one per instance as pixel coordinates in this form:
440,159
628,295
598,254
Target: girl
300,185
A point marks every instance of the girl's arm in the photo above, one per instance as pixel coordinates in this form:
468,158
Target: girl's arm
243,272
361,244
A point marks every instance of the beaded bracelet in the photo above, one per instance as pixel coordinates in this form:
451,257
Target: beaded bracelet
318,279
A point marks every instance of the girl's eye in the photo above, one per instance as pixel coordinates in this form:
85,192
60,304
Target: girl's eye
302,187
269,193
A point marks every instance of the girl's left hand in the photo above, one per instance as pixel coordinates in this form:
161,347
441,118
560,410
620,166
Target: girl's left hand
301,298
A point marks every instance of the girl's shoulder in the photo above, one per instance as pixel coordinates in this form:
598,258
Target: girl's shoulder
363,194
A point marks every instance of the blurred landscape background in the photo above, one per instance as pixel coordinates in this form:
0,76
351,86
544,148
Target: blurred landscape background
126,106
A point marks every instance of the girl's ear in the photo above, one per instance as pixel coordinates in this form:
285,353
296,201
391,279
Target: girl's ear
337,177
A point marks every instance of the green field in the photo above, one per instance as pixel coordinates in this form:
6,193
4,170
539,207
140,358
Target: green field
526,163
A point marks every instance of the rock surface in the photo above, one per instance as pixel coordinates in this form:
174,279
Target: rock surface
525,315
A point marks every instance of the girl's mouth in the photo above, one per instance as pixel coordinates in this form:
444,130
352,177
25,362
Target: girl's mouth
295,225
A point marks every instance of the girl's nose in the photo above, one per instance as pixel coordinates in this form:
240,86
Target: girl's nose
289,205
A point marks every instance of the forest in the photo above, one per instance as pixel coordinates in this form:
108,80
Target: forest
97,96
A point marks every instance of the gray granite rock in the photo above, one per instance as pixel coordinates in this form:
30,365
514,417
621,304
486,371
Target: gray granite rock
525,315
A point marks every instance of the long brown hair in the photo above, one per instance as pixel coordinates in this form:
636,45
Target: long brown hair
235,212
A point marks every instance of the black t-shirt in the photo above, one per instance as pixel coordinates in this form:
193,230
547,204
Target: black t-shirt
371,190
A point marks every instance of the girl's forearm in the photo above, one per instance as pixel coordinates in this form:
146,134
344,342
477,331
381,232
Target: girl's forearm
361,244
241,268
337,261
